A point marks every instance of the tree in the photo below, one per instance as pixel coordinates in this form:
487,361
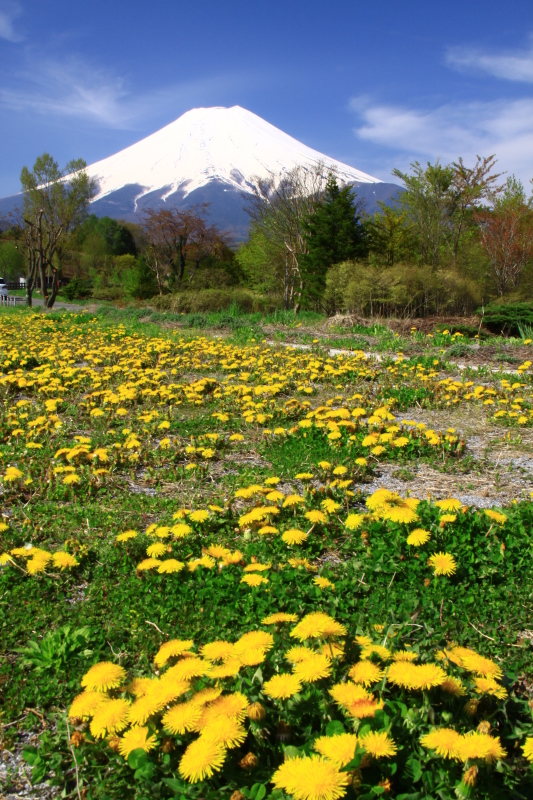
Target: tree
426,200
55,201
332,234
279,208
390,235
168,232
506,233
12,261
470,187
116,237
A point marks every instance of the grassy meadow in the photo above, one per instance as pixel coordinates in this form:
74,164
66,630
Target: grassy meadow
231,568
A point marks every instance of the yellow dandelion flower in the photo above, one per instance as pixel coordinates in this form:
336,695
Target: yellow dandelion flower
315,516
175,647
199,516
378,744
366,673
443,563
12,474
136,738
229,669
201,759
254,580
182,717
415,676
279,617
64,560
311,778
418,537
217,551
252,657
226,731
453,686
346,694
313,669
257,567
473,662
148,563
124,537
103,676
293,500
294,536
217,651
228,705
317,625
323,583
405,655
85,704
450,504
353,521
379,650
490,686
188,668
156,549
267,529
296,654
253,639
170,565
275,496
443,740
479,745
340,748
282,686
447,519
110,717
527,749
180,530
496,516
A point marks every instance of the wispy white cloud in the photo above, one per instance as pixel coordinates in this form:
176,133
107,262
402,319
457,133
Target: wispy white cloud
516,65
75,89
9,11
503,127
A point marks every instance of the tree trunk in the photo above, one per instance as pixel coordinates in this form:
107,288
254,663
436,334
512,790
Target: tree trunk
182,242
55,290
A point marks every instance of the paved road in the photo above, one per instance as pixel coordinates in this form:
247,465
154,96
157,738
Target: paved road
67,306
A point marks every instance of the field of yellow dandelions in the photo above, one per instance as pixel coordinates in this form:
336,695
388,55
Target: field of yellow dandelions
207,592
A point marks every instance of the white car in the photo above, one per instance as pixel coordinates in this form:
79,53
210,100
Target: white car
3,288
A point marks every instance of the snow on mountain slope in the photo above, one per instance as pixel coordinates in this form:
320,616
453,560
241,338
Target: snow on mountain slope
226,145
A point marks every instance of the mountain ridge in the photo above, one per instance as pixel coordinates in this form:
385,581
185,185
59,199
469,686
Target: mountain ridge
209,155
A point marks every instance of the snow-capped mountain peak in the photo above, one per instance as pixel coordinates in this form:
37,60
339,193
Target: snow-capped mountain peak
227,145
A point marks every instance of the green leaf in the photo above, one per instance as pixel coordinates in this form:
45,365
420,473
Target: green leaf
414,769
177,786
291,752
145,772
258,791
30,754
335,728
137,758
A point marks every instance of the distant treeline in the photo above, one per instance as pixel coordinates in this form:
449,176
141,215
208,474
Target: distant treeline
457,237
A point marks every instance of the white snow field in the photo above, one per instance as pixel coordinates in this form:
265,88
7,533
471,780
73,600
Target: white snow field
227,145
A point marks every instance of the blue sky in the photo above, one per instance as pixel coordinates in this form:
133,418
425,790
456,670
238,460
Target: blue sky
373,84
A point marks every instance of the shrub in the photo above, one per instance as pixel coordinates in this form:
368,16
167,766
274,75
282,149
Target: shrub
77,289
506,318
206,300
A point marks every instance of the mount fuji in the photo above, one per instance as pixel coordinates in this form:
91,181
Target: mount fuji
209,155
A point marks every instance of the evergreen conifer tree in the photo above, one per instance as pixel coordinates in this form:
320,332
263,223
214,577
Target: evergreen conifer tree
332,235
